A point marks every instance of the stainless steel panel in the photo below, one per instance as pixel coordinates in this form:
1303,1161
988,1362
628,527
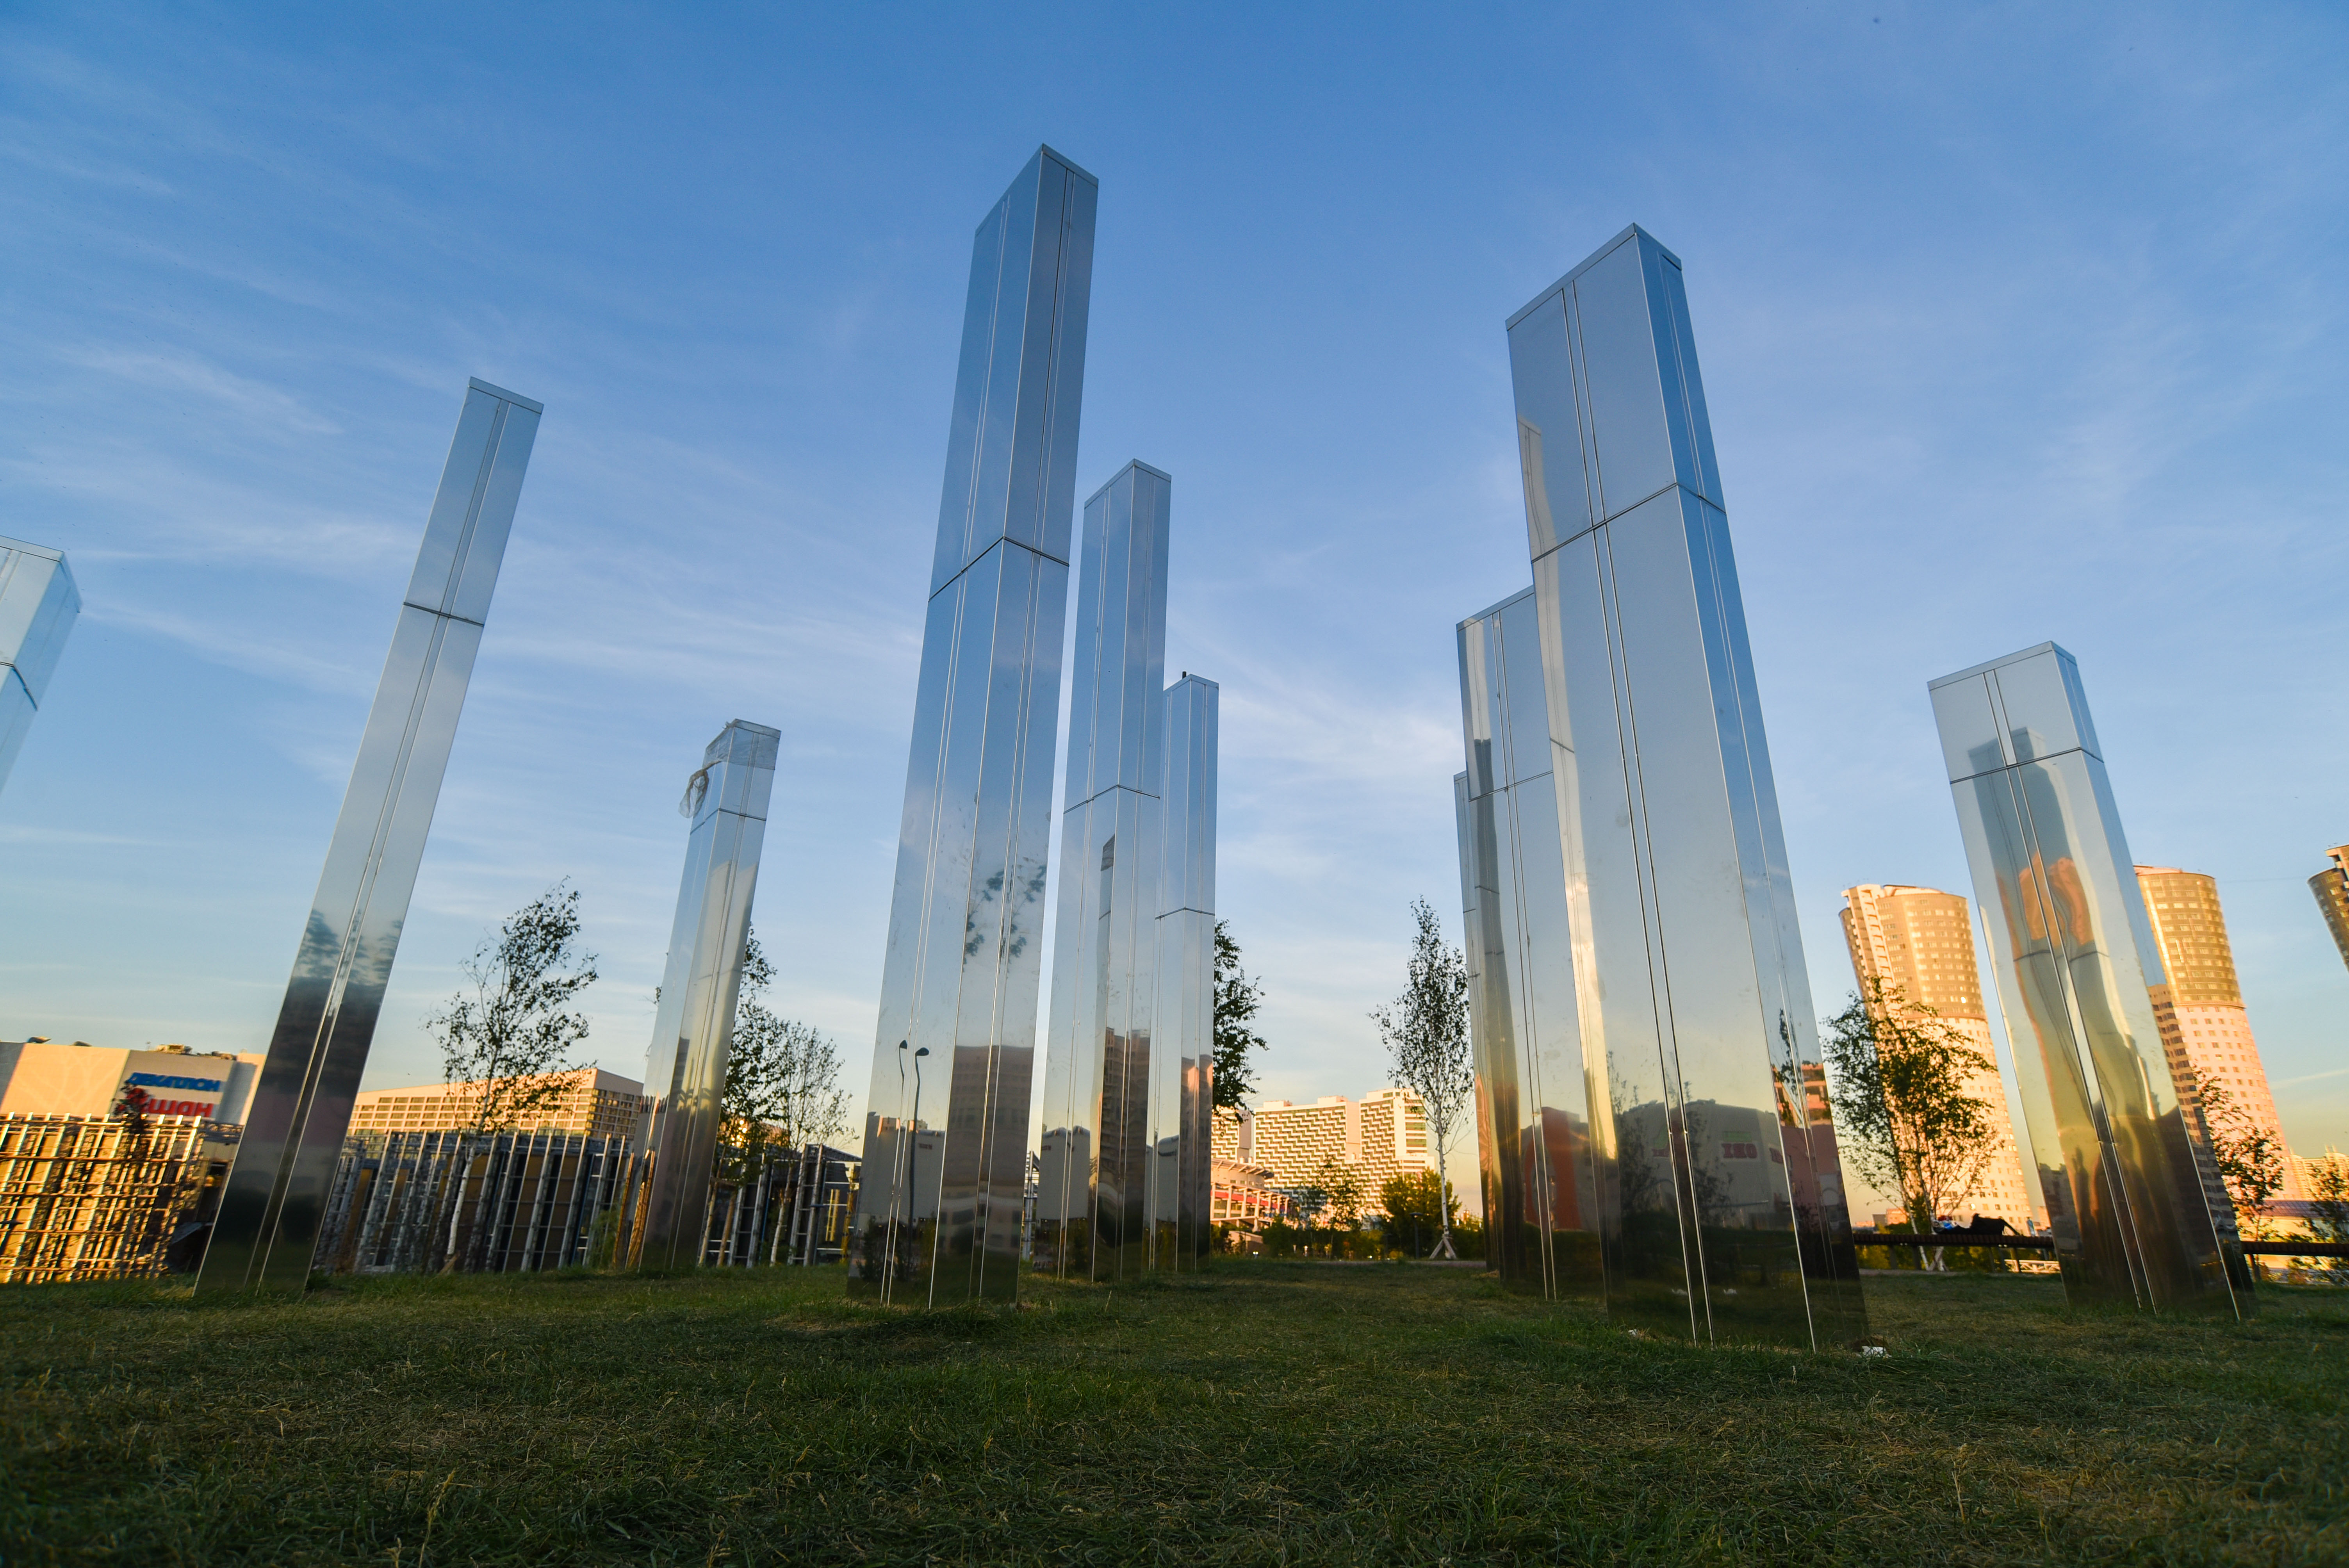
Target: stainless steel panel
1535,1151
38,605
2074,953
1715,1183
1012,443
1621,383
270,1209
1104,1081
938,1214
693,1028
1182,1087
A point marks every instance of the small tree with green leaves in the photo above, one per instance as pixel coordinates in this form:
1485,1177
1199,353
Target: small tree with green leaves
1419,1208
2250,1156
782,1077
1427,1040
508,1037
1308,1198
1238,997
1904,1102
509,1034
2328,1207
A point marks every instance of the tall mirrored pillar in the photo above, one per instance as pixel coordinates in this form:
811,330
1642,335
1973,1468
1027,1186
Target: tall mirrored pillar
2074,953
1094,1159
269,1212
938,1216
1542,1207
38,603
1695,1008
1183,1077
693,1028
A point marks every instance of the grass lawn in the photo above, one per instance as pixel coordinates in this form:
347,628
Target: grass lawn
1269,1413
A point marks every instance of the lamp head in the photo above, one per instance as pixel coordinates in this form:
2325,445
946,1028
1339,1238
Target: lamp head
923,1052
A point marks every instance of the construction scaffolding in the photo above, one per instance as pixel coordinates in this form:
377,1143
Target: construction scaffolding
469,1202
465,1203
96,1197
792,1208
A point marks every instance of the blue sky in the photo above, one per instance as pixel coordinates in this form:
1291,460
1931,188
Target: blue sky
2017,322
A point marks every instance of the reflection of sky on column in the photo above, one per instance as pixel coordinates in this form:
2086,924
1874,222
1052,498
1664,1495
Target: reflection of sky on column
1985,327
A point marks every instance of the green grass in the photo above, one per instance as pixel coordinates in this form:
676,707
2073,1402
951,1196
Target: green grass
1270,1413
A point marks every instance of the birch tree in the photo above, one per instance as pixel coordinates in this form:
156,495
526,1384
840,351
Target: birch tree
1426,1035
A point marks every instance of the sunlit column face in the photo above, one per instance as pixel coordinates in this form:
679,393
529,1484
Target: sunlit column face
1720,1209
693,1028
1536,1147
938,1216
38,605
2073,956
1099,1150
269,1209
1182,1108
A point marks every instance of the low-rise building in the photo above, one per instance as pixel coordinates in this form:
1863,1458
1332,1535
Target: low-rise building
591,1101
1244,1197
49,1078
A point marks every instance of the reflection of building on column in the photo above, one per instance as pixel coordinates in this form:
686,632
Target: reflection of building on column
2331,886
2200,1011
1381,1135
1921,940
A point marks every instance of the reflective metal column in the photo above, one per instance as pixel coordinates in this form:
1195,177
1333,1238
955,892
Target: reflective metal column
693,1029
269,1212
38,602
1542,1203
937,1217
1694,1006
1092,1220
2073,955
1182,1077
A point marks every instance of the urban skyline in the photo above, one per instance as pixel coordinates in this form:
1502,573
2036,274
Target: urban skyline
284,425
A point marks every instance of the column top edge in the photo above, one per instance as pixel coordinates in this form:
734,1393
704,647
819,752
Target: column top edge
44,552
1489,611
1592,260
2016,657
476,384
1187,678
1109,483
1046,149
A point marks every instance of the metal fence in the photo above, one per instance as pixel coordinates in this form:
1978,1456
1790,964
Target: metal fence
792,1208
428,1202
497,1202
86,1198
95,1197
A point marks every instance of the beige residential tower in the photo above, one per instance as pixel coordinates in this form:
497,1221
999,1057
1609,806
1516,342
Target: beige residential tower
1921,940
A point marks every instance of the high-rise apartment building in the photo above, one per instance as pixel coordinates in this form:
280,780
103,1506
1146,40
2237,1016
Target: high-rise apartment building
2199,1010
1921,941
591,1100
2330,887
1381,1135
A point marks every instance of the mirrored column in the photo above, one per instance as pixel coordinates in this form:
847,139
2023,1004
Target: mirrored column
2073,955
1694,1005
1182,1081
938,1216
269,1212
1094,1162
1542,1208
38,603
693,1028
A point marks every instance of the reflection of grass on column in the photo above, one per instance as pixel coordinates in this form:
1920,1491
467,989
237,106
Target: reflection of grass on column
1259,1411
